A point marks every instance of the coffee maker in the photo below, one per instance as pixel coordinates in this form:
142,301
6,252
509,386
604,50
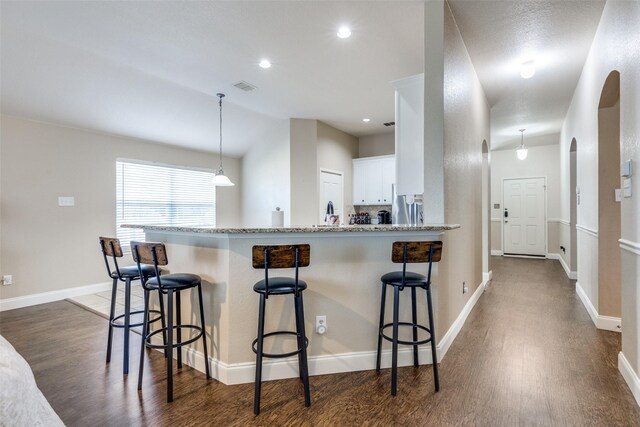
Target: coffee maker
384,217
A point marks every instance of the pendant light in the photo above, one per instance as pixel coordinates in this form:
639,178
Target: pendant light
220,180
522,151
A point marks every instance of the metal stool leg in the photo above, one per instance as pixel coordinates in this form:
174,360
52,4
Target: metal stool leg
163,323
256,399
178,332
299,339
127,322
112,313
382,306
204,333
145,331
303,349
414,320
169,345
432,329
394,347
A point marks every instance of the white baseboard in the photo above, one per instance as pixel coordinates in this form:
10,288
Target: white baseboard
44,297
629,376
570,274
486,277
606,323
242,373
495,252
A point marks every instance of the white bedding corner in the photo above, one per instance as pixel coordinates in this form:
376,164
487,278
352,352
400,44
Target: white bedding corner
21,401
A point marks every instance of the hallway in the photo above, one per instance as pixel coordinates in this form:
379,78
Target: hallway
527,355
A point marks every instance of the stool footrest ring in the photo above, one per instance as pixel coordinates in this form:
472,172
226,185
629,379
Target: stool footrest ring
278,355
134,325
176,344
388,338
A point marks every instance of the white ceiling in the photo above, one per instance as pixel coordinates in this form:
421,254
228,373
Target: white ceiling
501,35
151,70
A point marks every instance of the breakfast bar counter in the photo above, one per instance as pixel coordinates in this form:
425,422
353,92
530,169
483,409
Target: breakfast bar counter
343,280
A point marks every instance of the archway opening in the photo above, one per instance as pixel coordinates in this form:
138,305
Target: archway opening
609,299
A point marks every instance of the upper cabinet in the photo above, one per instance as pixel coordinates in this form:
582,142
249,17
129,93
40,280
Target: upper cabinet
410,135
372,180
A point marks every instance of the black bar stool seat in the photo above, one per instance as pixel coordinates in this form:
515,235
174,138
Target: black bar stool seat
281,256
279,286
170,285
111,249
409,252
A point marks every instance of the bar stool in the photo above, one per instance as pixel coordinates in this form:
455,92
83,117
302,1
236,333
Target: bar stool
409,252
111,249
282,256
169,284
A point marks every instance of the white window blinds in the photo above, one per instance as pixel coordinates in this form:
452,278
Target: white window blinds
151,194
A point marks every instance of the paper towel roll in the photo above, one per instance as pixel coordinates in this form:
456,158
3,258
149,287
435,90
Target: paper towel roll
277,218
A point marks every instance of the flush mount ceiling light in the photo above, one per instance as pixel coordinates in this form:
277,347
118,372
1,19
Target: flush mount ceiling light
522,151
265,64
344,32
220,180
527,69
366,120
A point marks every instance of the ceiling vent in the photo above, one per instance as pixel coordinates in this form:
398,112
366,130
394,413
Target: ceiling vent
389,124
247,87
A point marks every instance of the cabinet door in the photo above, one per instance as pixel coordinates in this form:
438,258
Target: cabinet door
359,183
388,178
373,185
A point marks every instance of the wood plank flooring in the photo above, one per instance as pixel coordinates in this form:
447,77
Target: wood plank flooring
527,355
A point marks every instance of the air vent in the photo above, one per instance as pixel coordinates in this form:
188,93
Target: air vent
247,87
389,124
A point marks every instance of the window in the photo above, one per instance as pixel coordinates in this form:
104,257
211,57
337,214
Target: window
153,194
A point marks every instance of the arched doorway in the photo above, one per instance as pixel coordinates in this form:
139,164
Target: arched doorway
609,299
573,206
486,213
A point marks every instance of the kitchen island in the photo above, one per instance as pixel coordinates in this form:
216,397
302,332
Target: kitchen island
343,284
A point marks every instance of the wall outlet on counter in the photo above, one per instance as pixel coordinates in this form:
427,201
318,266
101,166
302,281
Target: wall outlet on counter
465,288
7,280
321,324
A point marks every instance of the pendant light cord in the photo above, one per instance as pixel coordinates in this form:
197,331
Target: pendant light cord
220,95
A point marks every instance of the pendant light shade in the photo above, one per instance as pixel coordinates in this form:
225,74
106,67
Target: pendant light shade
522,151
220,180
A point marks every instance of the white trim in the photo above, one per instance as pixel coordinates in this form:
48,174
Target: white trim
564,221
573,275
558,220
496,219
552,256
587,230
44,297
242,373
164,165
629,246
606,323
496,252
486,277
629,376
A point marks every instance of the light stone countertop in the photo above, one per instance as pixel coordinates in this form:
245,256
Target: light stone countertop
299,229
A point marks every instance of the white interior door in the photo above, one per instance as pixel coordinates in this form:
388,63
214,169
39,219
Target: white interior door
330,190
524,216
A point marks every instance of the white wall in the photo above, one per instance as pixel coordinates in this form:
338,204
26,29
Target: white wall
266,178
380,144
336,151
615,47
48,248
541,161
304,171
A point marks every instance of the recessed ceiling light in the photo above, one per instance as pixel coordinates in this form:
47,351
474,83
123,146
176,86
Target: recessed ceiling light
265,64
366,120
527,69
344,32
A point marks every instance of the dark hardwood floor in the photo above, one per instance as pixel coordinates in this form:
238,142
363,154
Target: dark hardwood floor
527,355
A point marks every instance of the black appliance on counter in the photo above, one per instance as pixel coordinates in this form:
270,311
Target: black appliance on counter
384,217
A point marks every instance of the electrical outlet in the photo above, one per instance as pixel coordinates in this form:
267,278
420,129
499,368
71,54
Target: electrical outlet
321,324
7,280
465,289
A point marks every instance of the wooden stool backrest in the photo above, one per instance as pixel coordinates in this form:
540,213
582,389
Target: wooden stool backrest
416,252
149,253
111,248
280,256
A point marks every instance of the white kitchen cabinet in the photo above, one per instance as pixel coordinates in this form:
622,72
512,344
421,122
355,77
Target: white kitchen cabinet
372,180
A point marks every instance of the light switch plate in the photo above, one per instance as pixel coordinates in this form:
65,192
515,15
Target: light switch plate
66,201
618,192
626,187
626,170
